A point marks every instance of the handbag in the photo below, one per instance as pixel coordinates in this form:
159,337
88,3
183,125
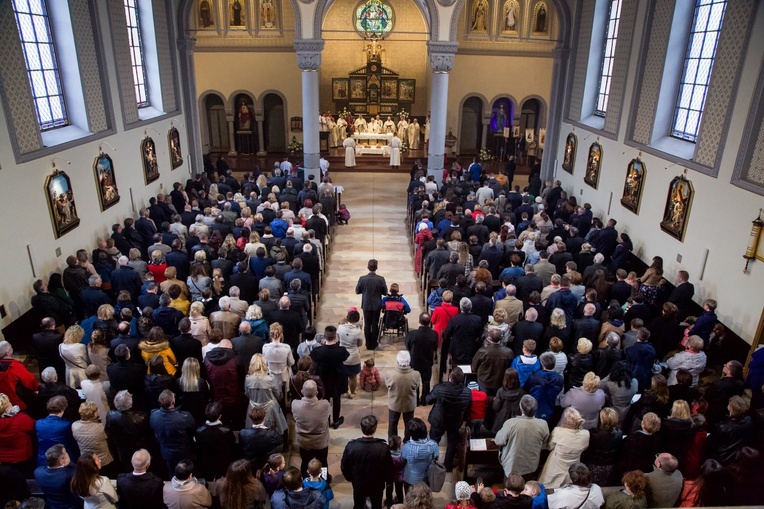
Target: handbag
436,475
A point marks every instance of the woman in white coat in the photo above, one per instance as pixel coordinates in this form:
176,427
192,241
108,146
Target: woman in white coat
349,145
75,356
567,442
395,152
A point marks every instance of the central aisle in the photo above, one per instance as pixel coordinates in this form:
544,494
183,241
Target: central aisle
377,204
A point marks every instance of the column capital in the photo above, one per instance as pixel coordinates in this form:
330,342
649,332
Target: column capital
309,53
442,55
186,44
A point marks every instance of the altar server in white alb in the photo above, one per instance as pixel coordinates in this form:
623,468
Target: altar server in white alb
414,131
403,127
395,151
349,145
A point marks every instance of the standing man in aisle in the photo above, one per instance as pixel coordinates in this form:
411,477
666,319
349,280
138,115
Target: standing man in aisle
372,288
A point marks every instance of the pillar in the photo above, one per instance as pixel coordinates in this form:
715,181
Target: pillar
260,118
231,135
484,138
441,62
309,60
192,117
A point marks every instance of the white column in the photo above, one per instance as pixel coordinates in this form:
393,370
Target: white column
260,118
231,139
441,62
309,60
484,137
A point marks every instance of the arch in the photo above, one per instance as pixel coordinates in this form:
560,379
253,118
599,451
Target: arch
231,105
245,126
275,123
470,125
214,128
543,108
323,6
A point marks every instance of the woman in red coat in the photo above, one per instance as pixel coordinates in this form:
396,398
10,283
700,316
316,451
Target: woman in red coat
16,433
442,314
423,235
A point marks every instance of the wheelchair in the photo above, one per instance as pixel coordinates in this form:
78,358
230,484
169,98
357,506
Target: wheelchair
393,319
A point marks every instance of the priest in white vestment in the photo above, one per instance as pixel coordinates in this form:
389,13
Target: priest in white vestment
333,132
427,130
403,127
414,130
389,126
342,128
395,151
360,125
349,145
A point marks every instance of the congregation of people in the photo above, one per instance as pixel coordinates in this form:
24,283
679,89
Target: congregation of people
179,363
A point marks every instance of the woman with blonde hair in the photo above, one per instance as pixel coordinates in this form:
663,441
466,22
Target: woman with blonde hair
498,321
558,328
105,322
264,390
278,355
136,263
587,399
604,447
200,324
678,431
157,266
567,441
453,244
465,258
157,344
261,182
98,353
200,258
75,356
219,285
193,391
580,364
91,438
257,323
246,215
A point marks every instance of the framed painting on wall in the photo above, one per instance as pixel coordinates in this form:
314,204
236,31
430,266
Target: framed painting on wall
632,187
63,211
678,204
149,158
389,89
516,131
542,137
358,88
569,157
593,165
530,135
106,183
406,90
340,88
176,155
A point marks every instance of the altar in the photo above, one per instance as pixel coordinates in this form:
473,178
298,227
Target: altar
373,143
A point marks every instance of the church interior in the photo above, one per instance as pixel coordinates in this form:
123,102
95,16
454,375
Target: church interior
90,132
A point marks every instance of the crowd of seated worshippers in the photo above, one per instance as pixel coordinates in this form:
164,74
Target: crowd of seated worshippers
605,371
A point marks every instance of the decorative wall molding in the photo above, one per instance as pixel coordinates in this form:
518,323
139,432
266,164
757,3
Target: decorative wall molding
309,53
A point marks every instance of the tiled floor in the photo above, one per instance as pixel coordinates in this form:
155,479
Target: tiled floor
377,203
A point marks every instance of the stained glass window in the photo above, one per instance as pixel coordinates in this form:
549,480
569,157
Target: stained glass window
42,65
136,53
606,71
698,62
374,19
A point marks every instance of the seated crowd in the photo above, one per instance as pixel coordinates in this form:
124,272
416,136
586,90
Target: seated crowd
171,359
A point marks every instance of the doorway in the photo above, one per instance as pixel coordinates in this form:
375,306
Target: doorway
274,128
217,126
471,126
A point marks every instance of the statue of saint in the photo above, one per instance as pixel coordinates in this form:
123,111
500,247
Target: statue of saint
236,17
479,15
541,19
205,14
501,119
267,13
510,16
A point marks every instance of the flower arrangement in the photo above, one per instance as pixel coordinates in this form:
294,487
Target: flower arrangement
294,146
344,113
485,155
404,146
403,114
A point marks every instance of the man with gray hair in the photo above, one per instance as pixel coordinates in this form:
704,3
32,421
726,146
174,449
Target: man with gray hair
521,439
127,430
451,270
225,320
92,297
586,327
50,388
236,305
311,425
126,278
140,489
598,264
461,338
665,481
291,321
511,304
403,383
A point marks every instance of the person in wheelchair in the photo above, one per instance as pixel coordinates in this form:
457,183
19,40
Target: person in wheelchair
395,308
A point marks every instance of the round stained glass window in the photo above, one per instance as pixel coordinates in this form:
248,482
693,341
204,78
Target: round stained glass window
374,19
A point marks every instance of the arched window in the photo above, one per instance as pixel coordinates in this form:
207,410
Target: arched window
41,62
606,70
136,53
698,63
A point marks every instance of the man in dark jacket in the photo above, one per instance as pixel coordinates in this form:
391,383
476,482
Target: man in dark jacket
529,328
246,345
178,259
127,430
126,375
605,240
126,278
174,430
294,496
367,464
184,345
55,477
490,362
291,321
587,327
718,394
215,443
451,401
223,375
140,489
482,304
372,288
545,386
47,305
449,271
124,338
330,366
93,297
462,335
259,441
49,388
167,317
528,283
45,345
563,299
422,344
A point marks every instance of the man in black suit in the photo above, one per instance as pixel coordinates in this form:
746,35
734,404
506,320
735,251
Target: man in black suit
124,338
146,229
422,344
45,345
125,375
528,283
178,259
184,345
482,304
126,278
621,290
451,270
372,288
140,489
291,321
682,294
246,345
587,327
93,297
606,240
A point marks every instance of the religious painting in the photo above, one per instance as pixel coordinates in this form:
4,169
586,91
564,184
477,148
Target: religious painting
593,164
63,211
108,194
678,204
389,89
245,114
479,17
530,135
237,13
373,19
176,155
510,17
406,90
516,131
569,157
542,137
358,89
205,15
635,182
340,89
541,18
268,15
149,158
